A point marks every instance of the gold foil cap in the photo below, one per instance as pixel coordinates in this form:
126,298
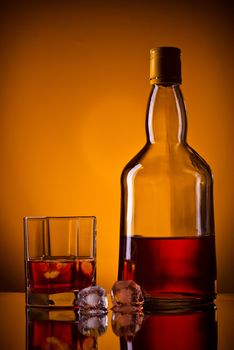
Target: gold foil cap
165,66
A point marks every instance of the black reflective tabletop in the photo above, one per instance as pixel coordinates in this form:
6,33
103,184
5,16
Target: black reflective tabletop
208,329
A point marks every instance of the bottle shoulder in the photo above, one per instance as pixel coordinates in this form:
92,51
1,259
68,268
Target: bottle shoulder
198,161
167,159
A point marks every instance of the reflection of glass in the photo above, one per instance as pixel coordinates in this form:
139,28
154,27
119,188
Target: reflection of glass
60,258
63,330
191,330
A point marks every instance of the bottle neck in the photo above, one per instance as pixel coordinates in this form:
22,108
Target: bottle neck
166,116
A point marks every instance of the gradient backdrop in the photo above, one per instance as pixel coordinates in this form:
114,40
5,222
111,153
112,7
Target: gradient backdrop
74,89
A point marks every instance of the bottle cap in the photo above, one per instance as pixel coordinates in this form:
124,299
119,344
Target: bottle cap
165,66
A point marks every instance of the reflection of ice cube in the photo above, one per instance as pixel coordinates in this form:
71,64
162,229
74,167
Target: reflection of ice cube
125,294
92,300
126,324
93,325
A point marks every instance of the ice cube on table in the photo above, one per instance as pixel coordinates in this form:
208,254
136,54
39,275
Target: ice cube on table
126,324
92,300
127,294
94,325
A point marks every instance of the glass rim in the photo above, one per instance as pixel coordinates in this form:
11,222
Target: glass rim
26,218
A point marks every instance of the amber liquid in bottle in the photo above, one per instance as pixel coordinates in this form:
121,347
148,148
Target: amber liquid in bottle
167,241
185,266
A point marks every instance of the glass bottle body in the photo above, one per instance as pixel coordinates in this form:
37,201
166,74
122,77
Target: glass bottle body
167,240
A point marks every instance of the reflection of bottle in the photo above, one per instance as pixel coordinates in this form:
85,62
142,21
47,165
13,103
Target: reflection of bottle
167,231
196,330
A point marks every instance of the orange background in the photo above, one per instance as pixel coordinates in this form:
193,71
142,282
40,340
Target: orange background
74,89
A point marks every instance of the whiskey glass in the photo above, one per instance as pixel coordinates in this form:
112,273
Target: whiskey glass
60,259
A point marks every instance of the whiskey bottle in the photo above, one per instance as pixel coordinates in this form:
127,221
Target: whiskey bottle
167,240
